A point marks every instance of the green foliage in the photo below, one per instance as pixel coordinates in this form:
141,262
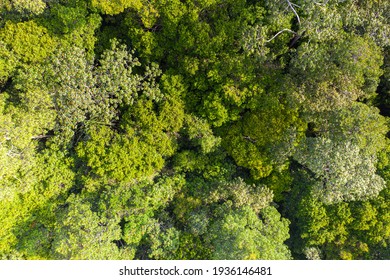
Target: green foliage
125,157
35,7
82,94
28,41
65,19
241,234
28,217
63,83
356,230
137,206
235,221
81,35
117,6
118,85
207,129
280,184
345,176
18,128
241,194
7,62
264,138
333,75
361,124
82,234
201,135
171,109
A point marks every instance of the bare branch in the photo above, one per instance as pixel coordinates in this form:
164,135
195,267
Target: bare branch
295,5
295,12
40,137
250,139
280,32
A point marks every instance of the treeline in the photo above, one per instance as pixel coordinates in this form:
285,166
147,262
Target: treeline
194,129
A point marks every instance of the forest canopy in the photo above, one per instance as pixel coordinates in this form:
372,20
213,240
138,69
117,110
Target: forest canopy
183,129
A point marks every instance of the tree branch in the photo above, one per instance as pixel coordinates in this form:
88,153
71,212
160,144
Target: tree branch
40,137
249,139
295,12
280,32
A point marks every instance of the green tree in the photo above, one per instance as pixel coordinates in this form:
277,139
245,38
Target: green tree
29,217
82,94
263,139
233,219
354,230
20,128
359,123
139,152
333,75
34,7
8,62
342,171
83,234
241,234
117,6
28,41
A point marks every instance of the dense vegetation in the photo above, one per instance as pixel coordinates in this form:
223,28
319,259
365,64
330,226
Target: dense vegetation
194,129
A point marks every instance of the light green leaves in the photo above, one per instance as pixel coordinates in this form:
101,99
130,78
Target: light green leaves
35,7
28,41
117,6
84,235
81,94
342,171
336,74
241,234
